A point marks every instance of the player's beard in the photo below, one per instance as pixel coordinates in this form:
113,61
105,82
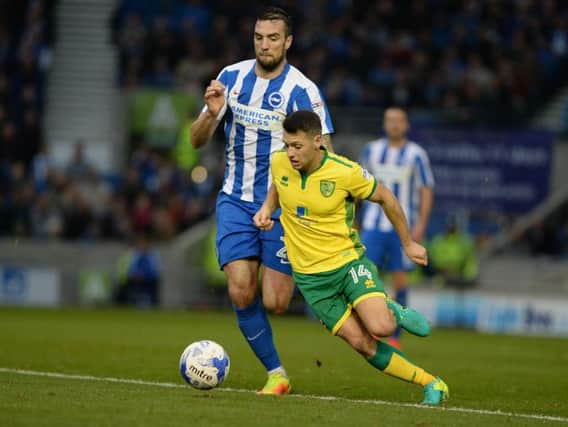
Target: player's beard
269,64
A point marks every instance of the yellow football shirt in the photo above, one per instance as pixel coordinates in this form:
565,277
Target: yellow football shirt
318,211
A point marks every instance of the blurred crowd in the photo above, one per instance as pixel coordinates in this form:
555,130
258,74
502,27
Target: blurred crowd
152,197
470,58
473,60
25,54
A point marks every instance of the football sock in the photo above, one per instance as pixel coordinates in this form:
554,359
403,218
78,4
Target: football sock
256,329
401,297
279,370
393,362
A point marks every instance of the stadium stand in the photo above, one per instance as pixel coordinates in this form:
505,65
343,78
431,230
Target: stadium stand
469,62
39,200
26,36
473,61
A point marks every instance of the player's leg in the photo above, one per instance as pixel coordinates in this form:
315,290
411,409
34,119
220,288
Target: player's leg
242,281
363,287
277,284
399,281
277,290
238,250
376,316
252,320
398,265
391,361
377,244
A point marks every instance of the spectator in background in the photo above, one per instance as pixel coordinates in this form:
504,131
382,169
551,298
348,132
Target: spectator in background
77,215
130,185
142,214
31,136
10,145
22,203
131,39
453,258
161,75
41,169
195,66
46,218
161,42
193,13
139,275
96,191
114,223
338,42
6,215
78,167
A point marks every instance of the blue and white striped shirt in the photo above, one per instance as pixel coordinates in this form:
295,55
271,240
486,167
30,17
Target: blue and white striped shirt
403,170
253,114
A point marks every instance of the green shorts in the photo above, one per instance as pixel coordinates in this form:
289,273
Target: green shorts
333,294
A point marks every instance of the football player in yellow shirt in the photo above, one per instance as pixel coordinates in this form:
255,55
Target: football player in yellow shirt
316,191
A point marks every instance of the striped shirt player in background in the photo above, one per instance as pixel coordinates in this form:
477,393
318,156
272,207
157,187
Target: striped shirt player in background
253,98
403,166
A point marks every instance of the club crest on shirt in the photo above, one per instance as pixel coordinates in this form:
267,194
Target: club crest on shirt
327,188
276,99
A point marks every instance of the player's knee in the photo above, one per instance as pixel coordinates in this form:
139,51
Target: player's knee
242,295
382,327
275,305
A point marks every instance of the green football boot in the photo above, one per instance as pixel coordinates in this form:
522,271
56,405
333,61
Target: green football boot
409,319
435,392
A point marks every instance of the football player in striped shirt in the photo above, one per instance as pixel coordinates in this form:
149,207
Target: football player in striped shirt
251,99
404,168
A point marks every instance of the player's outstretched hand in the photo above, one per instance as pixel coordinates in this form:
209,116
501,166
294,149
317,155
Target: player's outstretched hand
215,97
262,219
416,253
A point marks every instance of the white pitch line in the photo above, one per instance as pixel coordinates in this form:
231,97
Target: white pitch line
296,396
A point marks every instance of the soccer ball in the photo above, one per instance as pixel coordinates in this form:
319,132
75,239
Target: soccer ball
204,364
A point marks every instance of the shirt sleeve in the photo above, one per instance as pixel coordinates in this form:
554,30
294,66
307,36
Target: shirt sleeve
223,78
423,171
275,165
362,183
310,98
272,172
364,157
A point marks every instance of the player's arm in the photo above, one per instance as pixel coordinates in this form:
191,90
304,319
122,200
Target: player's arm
204,127
383,196
426,202
364,163
263,218
425,180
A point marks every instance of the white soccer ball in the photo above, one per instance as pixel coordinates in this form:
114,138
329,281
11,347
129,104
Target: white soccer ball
204,364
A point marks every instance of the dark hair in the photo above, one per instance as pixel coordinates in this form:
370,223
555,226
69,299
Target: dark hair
276,13
303,120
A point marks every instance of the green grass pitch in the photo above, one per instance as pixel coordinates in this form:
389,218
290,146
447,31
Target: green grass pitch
518,375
